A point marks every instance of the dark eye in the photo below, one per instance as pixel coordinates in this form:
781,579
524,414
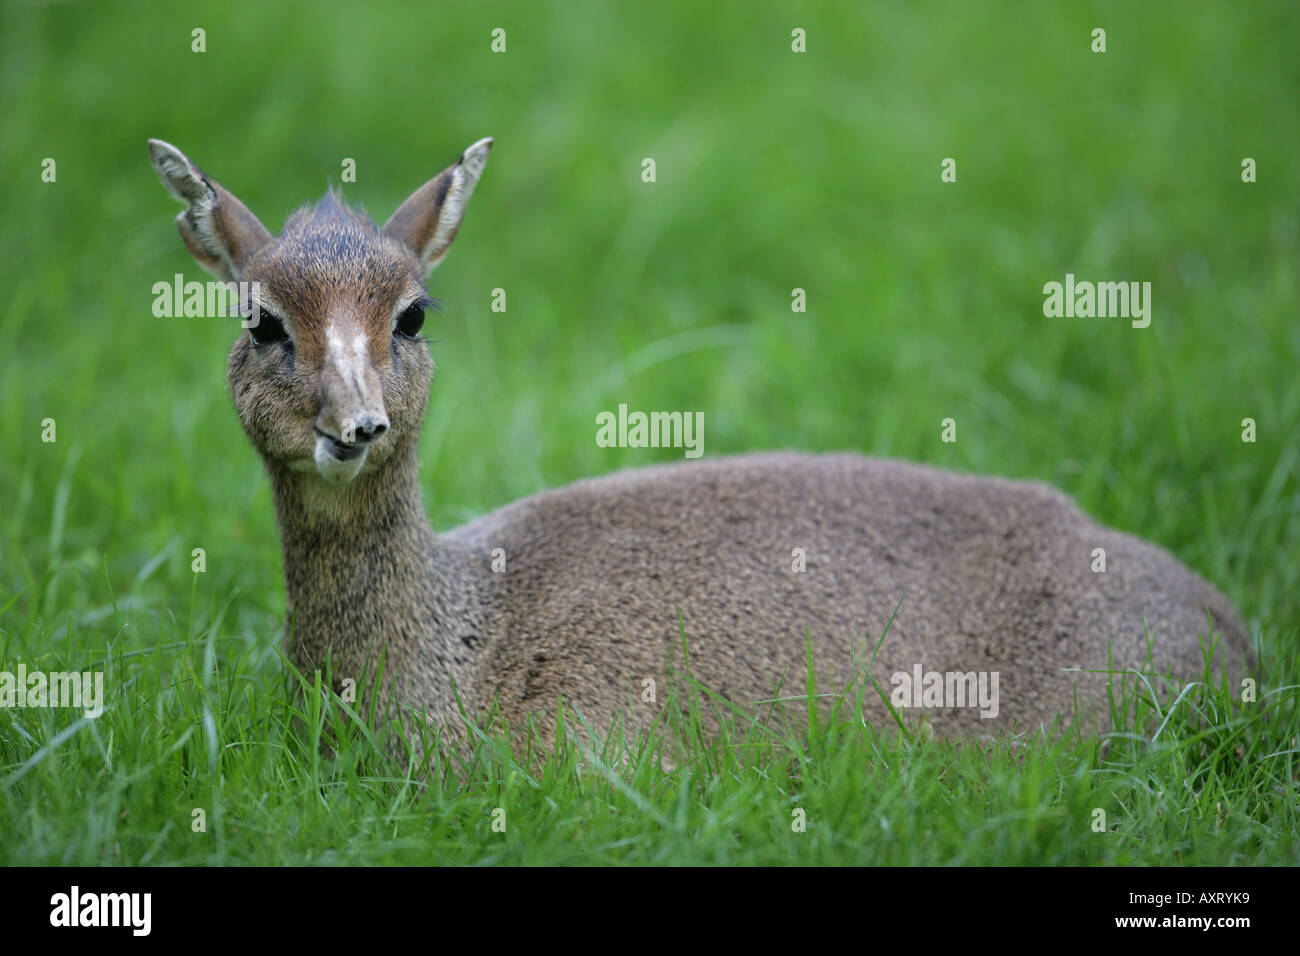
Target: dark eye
411,321
269,328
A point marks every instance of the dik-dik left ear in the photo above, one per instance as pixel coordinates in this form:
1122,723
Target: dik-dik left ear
217,228
428,220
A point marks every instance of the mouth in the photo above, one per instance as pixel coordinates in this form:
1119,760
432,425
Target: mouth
340,450
337,461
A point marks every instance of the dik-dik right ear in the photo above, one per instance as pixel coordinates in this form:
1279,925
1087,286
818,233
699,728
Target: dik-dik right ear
428,220
217,228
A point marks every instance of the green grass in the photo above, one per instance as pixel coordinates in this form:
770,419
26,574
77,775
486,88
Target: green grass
774,171
215,729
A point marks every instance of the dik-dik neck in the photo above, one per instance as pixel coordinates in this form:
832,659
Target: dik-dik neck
364,572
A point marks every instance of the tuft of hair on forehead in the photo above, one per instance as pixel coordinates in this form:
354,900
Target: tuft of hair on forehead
332,233
330,212
330,251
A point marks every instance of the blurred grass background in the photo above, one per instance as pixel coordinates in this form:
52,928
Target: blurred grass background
775,170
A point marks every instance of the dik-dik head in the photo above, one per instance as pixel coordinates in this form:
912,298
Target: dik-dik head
332,376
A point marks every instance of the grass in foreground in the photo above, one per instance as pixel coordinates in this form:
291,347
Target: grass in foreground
204,723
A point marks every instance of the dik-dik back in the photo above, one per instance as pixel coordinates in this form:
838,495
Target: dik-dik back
987,592
756,553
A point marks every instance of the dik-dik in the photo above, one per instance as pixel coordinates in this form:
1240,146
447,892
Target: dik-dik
589,591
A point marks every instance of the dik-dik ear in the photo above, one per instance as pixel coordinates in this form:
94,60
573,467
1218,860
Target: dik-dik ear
217,228
428,220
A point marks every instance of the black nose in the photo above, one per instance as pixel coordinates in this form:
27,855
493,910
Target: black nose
370,428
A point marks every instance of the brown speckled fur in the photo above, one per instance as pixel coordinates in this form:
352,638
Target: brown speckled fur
602,575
